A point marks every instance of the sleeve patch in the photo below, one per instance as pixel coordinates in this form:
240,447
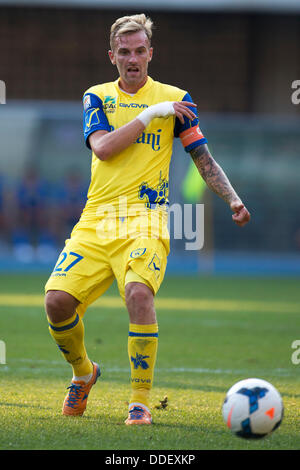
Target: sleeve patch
92,118
86,102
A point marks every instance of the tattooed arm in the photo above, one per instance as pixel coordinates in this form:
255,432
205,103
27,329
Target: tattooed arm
218,182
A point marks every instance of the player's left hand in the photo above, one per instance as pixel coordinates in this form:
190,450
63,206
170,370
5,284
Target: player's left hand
181,109
241,215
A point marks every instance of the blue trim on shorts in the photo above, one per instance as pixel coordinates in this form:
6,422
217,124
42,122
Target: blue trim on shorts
66,327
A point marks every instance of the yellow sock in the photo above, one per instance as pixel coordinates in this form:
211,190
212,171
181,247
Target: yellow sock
142,350
69,337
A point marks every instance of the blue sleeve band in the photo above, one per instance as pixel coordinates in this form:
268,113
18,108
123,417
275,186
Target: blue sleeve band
179,127
94,117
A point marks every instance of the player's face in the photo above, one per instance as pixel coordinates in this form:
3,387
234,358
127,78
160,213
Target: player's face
131,55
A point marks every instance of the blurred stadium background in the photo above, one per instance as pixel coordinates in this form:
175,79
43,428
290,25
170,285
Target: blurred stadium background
238,60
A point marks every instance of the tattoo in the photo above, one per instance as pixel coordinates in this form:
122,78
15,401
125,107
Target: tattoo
213,174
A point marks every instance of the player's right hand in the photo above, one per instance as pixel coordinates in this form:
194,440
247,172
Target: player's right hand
166,109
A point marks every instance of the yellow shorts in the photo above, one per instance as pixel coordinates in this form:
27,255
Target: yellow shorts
101,251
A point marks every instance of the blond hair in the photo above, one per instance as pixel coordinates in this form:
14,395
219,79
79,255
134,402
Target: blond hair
131,24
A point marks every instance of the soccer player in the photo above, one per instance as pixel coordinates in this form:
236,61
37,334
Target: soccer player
129,125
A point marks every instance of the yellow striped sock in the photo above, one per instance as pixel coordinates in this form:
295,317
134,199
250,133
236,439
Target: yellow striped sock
69,337
142,351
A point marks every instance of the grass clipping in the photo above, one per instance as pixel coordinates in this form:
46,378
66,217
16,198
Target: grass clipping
163,404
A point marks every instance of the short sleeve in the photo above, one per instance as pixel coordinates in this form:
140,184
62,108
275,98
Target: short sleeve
94,118
189,132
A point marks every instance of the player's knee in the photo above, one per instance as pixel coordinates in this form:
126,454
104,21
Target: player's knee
138,295
59,305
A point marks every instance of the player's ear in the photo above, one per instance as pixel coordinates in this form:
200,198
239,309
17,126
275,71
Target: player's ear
150,54
112,57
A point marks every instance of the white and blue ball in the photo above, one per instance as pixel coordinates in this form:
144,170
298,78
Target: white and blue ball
252,408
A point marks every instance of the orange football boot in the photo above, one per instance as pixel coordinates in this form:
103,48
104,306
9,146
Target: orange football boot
76,399
138,414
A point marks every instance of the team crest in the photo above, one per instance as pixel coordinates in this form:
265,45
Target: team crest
137,253
139,361
154,265
92,117
155,196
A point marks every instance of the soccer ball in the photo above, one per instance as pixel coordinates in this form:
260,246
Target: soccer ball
252,408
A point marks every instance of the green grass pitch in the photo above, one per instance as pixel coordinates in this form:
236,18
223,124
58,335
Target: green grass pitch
212,333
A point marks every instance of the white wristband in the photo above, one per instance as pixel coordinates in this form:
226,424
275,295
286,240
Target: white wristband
163,109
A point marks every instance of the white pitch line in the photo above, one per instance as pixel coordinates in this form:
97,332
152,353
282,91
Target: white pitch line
58,366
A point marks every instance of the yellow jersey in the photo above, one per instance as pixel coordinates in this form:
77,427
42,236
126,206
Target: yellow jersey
139,175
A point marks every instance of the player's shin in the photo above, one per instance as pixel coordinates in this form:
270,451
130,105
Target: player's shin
69,337
142,351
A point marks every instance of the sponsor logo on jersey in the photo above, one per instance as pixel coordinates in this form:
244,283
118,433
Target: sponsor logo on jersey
151,138
133,105
108,100
109,104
